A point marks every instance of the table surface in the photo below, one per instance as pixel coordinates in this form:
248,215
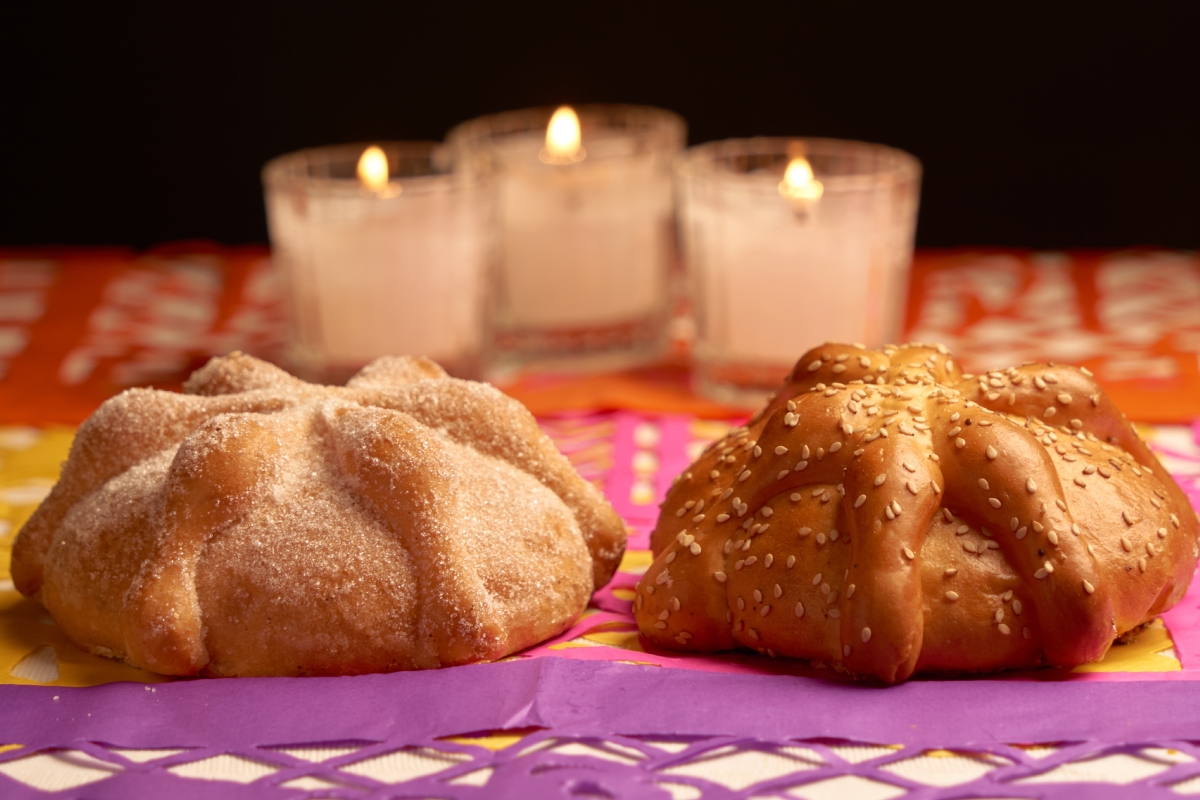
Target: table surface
593,712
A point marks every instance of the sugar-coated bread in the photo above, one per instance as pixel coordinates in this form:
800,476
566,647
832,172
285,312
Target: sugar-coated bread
887,515
261,525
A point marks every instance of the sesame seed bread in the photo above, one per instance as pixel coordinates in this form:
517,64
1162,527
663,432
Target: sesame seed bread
889,515
261,525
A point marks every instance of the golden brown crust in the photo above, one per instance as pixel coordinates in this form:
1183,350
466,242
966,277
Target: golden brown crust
887,513
264,526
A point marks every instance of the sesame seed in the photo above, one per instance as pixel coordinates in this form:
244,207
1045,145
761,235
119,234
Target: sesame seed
757,452
1026,633
757,596
909,554
862,498
994,502
768,560
1048,566
739,564
1126,544
780,450
912,487
896,508
722,517
670,557
814,365
694,548
804,452
720,576
866,635
839,368
879,479
1020,533
765,610
845,649
816,581
783,473
799,610
955,431
751,561
1162,533
999,615
674,603
791,561
1080,482
753,633
951,596
990,452
665,614
960,443
698,518
800,466
1065,398
741,604
1129,520
1142,563
1041,573
948,515
1004,629
1053,537
983,484
835,613
805,531
660,625
1030,486
850,591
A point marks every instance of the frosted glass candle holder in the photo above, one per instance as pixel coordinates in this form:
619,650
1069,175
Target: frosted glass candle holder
582,242
394,269
789,243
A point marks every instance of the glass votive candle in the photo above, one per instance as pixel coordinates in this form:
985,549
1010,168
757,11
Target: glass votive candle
583,233
789,243
383,251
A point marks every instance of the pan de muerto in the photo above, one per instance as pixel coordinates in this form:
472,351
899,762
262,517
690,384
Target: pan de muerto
261,525
887,515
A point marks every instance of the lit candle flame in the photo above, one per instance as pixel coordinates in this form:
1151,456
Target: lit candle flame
373,169
798,183
564,141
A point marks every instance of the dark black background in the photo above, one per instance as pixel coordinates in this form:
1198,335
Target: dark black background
1043,126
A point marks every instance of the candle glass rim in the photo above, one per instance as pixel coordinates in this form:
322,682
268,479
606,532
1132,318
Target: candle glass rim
292,171
653,127
703,162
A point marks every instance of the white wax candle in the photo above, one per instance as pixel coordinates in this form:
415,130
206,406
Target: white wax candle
775,282
584,244
377,275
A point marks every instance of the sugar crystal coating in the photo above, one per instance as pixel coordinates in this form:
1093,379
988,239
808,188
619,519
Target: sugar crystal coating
261,525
